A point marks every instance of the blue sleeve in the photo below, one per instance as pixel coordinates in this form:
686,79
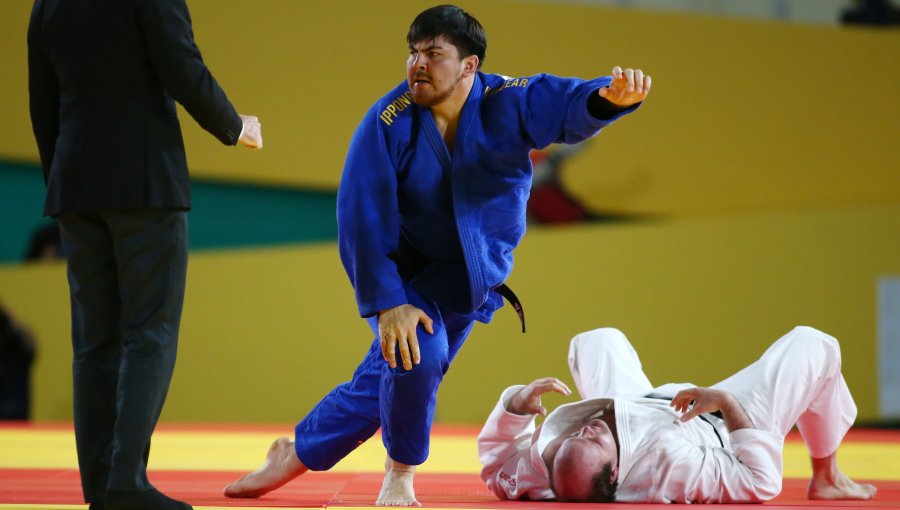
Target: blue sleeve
555,110
369,220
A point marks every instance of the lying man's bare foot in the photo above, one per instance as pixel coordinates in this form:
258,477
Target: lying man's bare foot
280,467
397,489
828,482
840,488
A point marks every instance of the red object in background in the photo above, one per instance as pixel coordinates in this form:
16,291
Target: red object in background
550,204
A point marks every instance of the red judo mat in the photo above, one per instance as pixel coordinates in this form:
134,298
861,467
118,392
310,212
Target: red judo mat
466,491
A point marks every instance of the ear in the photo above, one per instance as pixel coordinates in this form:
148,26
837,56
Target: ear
614,474
470,65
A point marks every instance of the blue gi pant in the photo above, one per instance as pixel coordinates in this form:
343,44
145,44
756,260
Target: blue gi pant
401,402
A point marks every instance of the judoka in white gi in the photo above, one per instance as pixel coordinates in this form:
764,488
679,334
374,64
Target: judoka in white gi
628,441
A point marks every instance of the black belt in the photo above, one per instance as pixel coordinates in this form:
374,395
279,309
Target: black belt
510,296
410,263
717,414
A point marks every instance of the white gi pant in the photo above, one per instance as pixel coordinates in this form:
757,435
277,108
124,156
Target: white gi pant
796,381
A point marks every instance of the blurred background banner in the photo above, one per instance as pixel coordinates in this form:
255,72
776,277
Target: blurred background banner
760,183
746,115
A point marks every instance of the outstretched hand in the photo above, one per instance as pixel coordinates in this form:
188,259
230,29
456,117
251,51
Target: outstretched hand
397,328
528,399
628,87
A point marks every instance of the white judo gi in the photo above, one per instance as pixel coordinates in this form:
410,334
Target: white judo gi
662,460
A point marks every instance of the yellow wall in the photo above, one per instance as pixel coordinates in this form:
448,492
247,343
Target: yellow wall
796,124
744,115
267,332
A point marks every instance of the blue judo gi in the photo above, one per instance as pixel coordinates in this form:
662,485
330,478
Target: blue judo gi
419,225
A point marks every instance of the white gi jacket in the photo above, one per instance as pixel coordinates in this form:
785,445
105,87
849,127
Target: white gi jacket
661,460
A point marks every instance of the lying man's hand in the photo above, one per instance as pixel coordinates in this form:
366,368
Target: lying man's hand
528,399
695,401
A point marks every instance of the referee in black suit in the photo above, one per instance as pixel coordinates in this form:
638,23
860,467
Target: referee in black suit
103,78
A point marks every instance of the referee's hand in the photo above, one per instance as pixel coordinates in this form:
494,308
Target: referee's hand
251,136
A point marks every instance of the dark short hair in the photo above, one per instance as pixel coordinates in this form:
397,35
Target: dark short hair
457,25
603,489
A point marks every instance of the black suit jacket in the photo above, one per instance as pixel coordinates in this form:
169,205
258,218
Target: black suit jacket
102,78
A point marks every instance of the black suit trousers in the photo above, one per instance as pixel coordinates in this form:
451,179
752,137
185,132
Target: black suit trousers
126,275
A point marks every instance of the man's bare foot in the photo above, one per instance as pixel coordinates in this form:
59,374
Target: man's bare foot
840,488
829,483
397,489
280,467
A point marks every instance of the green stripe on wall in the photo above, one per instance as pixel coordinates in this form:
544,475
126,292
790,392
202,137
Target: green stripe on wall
223,216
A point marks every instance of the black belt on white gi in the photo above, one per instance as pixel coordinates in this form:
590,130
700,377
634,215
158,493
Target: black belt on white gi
717,414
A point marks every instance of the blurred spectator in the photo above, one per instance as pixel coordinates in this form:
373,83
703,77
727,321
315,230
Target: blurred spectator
871,12
550,203
44,243
17,350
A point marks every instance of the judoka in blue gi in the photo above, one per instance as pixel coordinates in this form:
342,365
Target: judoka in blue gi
431,204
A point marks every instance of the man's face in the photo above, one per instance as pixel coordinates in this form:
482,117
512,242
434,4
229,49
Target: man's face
579,456
433,71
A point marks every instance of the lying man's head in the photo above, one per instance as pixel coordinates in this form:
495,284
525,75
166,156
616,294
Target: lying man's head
586,465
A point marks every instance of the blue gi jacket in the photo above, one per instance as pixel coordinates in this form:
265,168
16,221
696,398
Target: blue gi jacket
404,196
